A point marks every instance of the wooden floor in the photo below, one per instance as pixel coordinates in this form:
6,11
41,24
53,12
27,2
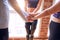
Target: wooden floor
25,39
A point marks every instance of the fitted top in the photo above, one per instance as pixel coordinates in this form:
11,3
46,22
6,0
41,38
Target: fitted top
3,14
57,15
33,3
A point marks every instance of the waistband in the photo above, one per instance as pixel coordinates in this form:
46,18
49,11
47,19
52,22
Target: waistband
55,19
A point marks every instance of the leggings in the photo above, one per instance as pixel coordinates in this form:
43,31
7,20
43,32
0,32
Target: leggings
54,31
30,27
4,34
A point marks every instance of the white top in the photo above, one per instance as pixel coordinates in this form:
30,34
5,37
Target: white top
4,14
55,1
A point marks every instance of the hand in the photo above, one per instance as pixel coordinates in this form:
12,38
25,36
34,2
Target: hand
34,18
29,18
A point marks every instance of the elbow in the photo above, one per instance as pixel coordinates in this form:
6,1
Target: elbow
11,1
8,0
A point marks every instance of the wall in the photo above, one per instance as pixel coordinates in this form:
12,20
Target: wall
45,22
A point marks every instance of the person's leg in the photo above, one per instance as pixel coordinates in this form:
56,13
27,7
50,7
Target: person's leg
1,38
54,31
4,34
33,27
1,35
27,26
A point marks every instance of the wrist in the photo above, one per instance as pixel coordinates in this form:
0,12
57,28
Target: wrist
35,16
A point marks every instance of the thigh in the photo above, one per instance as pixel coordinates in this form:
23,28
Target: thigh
27,26
1,36
34,24
54,31
4,34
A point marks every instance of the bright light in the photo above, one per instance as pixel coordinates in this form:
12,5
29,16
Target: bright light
21,4
17,24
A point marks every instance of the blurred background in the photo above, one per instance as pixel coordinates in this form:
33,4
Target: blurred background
17,24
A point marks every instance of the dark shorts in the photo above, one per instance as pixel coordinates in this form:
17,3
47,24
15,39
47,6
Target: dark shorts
4,34
54,31
30,26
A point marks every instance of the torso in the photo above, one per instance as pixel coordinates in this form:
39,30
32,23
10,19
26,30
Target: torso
3,14
56,17
32,4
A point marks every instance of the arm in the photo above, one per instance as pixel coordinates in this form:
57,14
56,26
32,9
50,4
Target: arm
25,7
38,6
15,5
53,9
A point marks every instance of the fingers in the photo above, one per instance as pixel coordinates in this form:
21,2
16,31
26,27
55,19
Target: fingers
31,17
34,18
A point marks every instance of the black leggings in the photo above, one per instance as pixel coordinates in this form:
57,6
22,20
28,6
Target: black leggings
30,27
54,31
4,34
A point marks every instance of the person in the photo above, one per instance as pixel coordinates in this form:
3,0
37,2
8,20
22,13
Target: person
4,17
31,7
55,21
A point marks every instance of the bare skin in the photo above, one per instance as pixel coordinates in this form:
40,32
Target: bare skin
53,9
32,11
16,7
